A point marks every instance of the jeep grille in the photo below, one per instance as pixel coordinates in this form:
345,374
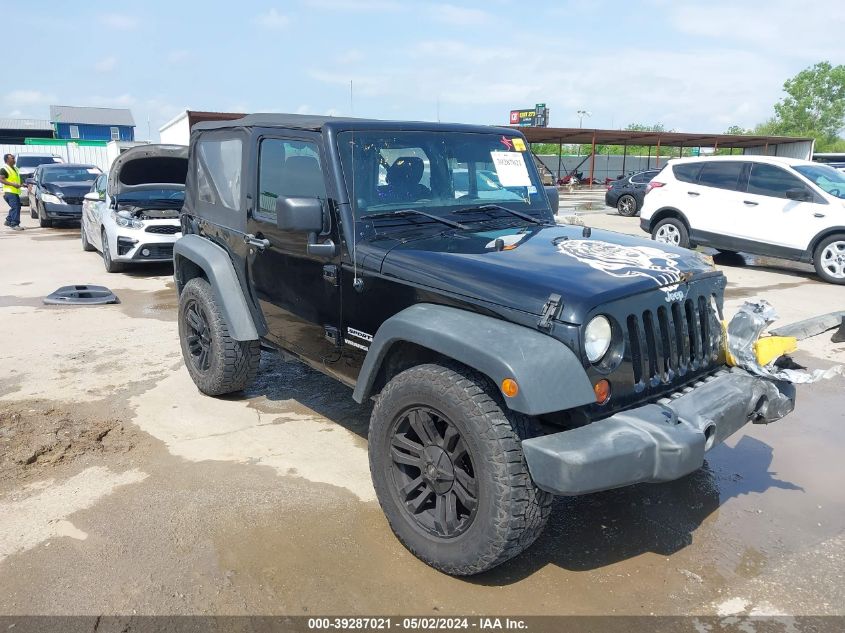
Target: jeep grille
667,343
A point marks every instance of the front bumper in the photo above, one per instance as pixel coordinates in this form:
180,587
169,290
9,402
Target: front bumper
645,225
655,442
137,250
62,211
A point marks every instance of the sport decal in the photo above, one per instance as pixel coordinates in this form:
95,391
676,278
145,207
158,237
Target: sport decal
626,261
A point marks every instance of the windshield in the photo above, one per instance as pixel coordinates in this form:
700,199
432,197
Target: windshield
35,161
71,174
824,177
157,197
439,172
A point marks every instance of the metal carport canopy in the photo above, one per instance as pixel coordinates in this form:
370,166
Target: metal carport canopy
664,139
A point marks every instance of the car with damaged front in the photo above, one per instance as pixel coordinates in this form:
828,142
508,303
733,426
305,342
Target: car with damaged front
131,214
56,190
509,359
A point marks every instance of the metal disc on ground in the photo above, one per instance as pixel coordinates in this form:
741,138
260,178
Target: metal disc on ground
81,295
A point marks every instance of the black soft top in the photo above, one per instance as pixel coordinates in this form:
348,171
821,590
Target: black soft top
316,123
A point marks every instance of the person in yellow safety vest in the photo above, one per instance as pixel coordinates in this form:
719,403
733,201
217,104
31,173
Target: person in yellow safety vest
11,180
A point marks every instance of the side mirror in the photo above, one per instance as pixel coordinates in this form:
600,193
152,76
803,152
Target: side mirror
305,215
29,181
799,194
91,196
554,197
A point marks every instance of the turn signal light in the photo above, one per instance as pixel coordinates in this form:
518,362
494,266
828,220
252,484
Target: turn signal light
602,390
509,387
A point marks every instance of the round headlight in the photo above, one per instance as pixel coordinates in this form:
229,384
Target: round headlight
597,337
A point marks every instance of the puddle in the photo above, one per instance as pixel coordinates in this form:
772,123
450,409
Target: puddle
157,304
11,301
34,519
54,235
734,291
743,260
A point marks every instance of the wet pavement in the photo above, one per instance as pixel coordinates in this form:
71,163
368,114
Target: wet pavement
125,491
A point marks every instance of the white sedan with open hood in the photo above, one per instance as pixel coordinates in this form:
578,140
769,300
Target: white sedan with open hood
131,214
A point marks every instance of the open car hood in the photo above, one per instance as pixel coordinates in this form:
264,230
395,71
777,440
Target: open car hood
139,167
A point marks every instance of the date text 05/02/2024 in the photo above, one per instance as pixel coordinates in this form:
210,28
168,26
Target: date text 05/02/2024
417,623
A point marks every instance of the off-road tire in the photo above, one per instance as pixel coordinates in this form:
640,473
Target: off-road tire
677,225
511,511
233,364
627,206
86,245
821,270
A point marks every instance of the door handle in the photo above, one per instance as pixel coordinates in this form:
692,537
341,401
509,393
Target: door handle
257,242
750,203
693,193
818,215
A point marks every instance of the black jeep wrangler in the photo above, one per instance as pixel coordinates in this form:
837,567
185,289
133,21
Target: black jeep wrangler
510,358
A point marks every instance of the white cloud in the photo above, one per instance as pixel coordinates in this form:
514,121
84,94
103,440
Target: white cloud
356,5
351,56
120,21
178,56
107,64
814,34
28,97
459,16
272,19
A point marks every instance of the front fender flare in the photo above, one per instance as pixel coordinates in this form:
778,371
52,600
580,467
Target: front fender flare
218,269
549,374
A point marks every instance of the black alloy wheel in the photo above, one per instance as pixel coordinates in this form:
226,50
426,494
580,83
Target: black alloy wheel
433,473
198,337
627,206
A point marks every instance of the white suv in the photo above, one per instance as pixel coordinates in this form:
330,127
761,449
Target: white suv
781,207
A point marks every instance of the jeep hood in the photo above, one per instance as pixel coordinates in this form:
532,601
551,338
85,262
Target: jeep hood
148,166
534,262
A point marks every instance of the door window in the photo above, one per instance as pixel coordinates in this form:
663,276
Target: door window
643,177
219,172
287,169
769,180
100,186
686,172
721,174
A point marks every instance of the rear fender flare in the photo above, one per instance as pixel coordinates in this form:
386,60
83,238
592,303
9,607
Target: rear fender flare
549,374
218,269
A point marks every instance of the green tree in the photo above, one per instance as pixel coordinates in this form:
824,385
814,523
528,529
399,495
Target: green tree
814,105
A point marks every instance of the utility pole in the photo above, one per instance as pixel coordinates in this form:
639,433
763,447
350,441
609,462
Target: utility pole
581,115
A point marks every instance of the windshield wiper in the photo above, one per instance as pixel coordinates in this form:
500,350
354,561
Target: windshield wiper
490,207
401,212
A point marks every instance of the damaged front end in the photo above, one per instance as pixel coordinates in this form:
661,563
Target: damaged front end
657,442
668,438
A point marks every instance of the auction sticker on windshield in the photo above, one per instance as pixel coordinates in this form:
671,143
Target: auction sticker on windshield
510,168
518,144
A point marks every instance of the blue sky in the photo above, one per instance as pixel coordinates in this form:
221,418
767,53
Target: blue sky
694,66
